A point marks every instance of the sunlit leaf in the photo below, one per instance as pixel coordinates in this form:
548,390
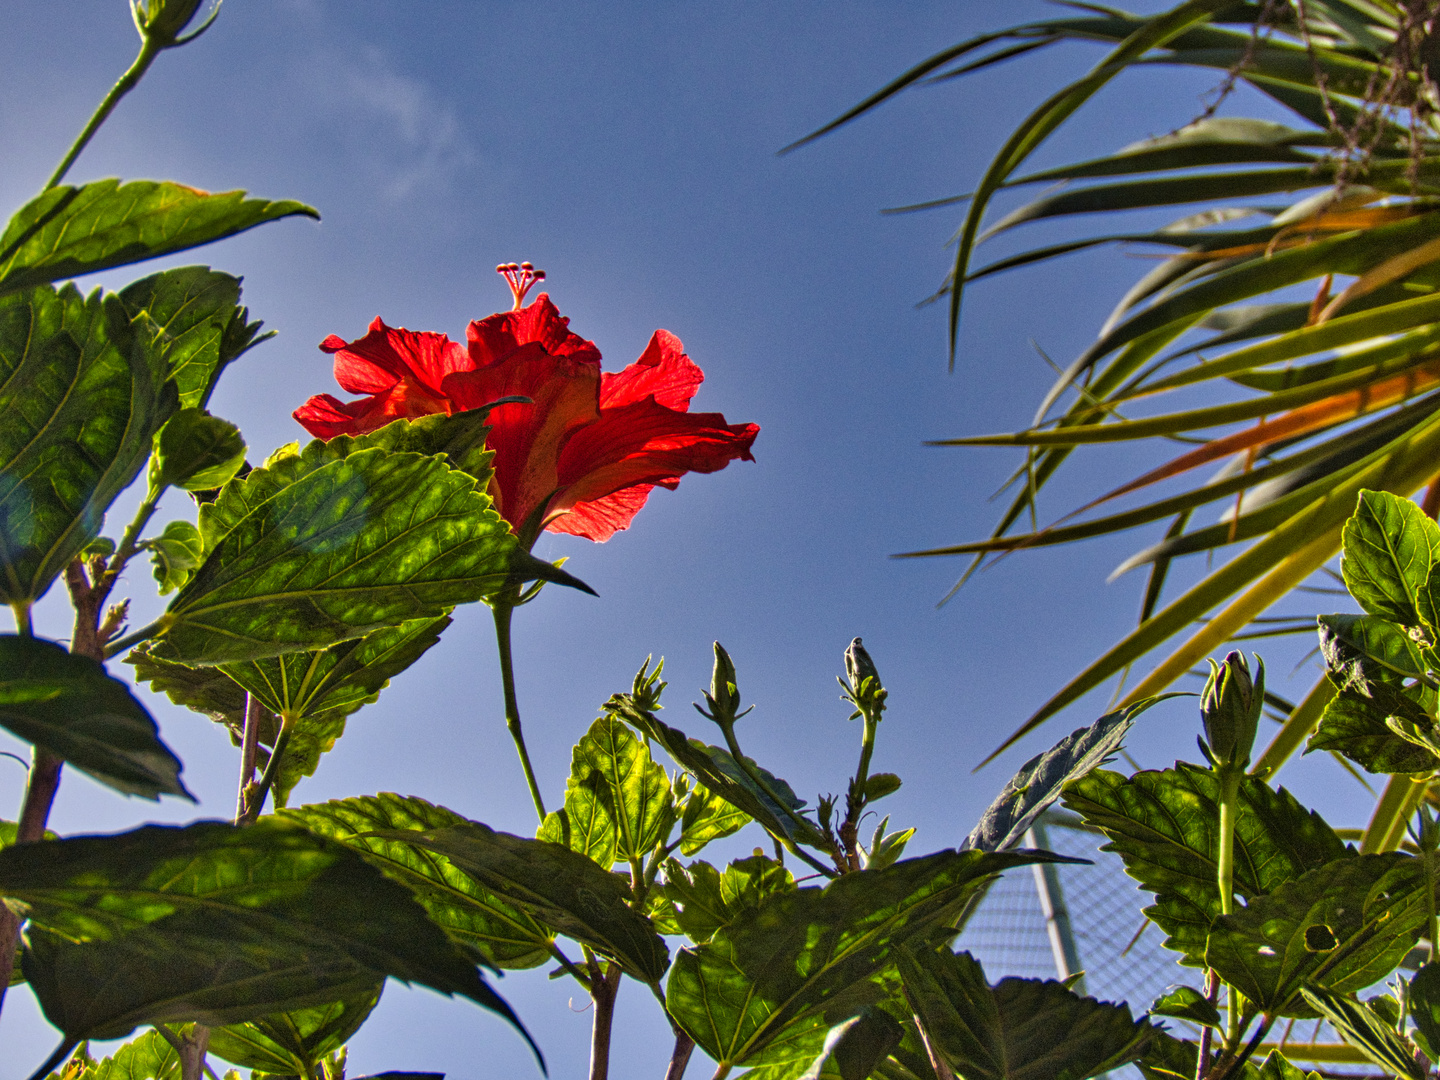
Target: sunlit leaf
68,231
318,548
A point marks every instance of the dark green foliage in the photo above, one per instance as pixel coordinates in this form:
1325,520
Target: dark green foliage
1361,1027
497,932
809,955
317,548
705,899
556,886
216,924
1187,1003
1165,825
618,804
82,394
196,451
68,705
1019,1029
1424,1001
1341,926
294,1042
1039,781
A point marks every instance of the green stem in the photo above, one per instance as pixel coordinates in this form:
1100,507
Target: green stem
272,769
503,610
1230,777
130,539
145,633
23,626
127,82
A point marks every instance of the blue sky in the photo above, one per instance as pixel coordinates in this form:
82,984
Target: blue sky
629,150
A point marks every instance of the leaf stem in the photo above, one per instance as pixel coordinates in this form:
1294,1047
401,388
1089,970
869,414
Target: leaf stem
249,753
23,626
145,633
680,1056
149,49
503,608
272,770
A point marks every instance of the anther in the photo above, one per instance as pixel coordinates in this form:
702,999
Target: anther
521,277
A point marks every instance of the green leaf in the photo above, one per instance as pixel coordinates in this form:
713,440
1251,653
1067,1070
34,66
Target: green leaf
1360,650
1340,927
708,817
196,319
495,931
148,1057
81,396
66,231
1187,1003
1168,1058
318,690
1019,1029
294,1042
555,886
617,800
196,451
206,690
1165,825
216,924
705,899
316,549
1424,1001
177,553
808,956
776,809
1276,1067
1358,727
68,705
1389,548
1039,781
1359,1026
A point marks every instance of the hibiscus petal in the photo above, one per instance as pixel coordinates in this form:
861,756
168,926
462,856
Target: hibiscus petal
386,355
663,372
645,443
325,416
527,439
492,340
601,519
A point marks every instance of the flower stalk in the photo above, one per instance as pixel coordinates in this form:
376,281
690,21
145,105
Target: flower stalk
503,608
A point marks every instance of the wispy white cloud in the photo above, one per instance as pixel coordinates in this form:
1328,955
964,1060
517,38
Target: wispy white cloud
395,126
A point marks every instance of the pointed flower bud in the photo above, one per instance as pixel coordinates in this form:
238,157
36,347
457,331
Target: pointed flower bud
723,697
1230,707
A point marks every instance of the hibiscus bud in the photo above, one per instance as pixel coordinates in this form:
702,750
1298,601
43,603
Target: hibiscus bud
863,689
1230,707
162,21
723,697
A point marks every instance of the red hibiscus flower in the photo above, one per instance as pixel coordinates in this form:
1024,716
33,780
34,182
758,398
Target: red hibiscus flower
584,456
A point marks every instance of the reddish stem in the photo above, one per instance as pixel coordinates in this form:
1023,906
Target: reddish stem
603,991
680,1056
